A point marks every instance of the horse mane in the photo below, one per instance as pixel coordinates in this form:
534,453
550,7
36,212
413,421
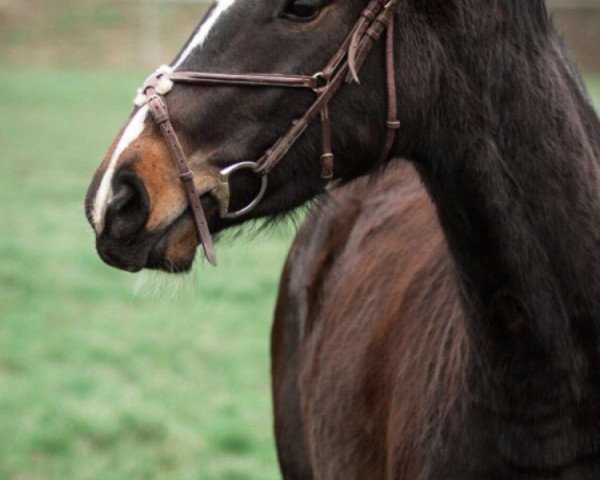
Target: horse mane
532,12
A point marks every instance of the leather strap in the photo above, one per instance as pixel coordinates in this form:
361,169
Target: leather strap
344,66
368,16
365,43
327,157
392,124
160,113
245,79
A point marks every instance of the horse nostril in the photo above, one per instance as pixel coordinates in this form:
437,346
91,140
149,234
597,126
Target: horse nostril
128,210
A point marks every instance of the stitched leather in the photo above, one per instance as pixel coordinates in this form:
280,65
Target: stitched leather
343,66
244,79
160,112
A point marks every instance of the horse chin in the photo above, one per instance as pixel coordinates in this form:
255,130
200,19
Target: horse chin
175,250
172,249
128,257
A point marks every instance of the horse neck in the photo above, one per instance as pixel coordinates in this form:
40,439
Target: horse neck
510,158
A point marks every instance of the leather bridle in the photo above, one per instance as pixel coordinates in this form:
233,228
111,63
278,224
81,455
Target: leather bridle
343,67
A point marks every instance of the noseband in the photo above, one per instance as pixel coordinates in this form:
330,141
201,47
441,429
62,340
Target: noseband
343,67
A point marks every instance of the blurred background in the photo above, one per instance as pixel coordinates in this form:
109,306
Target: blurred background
104,375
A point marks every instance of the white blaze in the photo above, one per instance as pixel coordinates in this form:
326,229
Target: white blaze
204,30
136,126
104,193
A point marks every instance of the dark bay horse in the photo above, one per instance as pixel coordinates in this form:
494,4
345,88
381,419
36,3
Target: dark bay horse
369,349
463,347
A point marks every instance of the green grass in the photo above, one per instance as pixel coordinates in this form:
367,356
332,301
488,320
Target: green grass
594,86
98,381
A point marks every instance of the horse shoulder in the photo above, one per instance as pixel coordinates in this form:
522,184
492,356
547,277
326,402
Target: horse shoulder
368,329
306,266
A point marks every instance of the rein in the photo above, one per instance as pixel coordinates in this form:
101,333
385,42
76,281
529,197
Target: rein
342,68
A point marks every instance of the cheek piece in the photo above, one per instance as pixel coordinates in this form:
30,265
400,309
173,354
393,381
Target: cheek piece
342,68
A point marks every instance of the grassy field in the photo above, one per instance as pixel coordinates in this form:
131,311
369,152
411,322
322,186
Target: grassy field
104,375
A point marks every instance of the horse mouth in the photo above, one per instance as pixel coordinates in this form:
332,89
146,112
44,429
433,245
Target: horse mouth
179,236
172,249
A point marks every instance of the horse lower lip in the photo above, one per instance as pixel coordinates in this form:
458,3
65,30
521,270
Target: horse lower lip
156,258
133,269
130,258
150,252
118,262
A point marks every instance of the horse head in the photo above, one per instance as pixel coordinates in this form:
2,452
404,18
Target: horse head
136,203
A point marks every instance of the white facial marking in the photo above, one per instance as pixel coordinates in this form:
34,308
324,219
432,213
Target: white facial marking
104,193
204,30
136,125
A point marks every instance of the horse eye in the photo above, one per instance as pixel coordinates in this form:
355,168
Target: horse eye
301,10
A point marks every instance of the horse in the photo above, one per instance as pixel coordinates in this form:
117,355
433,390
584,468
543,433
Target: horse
458,339
344,367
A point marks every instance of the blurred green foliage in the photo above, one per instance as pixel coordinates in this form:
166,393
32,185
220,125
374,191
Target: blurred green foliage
594,86
104,375
75,34
95,15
